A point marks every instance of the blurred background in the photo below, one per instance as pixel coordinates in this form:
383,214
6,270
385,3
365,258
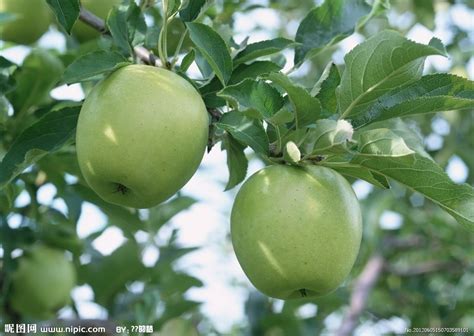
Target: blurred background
176,260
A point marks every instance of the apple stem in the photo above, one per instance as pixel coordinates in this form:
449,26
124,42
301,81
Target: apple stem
121,188
303,292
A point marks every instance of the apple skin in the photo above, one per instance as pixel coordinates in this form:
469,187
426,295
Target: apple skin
296,231
141,135
101,9
42,282
34,18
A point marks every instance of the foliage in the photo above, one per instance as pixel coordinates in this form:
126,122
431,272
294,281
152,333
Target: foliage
367,117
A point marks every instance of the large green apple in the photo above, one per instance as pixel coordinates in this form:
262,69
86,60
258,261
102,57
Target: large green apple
100,8
32,19
42,282
141,135
296,231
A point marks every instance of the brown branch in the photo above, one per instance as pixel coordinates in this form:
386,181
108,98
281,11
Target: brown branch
364,284
394,243
426,267
98,24
374,267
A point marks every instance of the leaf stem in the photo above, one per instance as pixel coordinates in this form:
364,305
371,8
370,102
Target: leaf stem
178,48
162,41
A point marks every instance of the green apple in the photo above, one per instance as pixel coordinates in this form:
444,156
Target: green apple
31,20
42,282
141,135
296,231
100,8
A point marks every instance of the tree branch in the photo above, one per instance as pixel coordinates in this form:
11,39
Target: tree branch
374,267
364,284
426,267
98,24
394,243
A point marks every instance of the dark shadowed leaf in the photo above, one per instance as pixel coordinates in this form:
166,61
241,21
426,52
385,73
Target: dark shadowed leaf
95,63
256,98
307,108
325,90
162,213
106,287
327,24
263,48
192,10
118,27
39,73
237,162
49,134
248,131
432,93
213,48
66,11
188,60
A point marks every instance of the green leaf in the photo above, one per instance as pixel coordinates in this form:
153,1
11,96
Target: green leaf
127,220
66,11
432,93
328,136
170,253
188,60
192,10
242,72
3,110
49,134
283,116
253,71
248,131
327,24
4,63
366,175
255,98
425,13
411,136
307,108
263,48
341,164
175,283
383,142
379,65
237,162
211,45
7,84
385,153
326,90
39,73
162,213
118,27
106,288
87,67
173,6
137,28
